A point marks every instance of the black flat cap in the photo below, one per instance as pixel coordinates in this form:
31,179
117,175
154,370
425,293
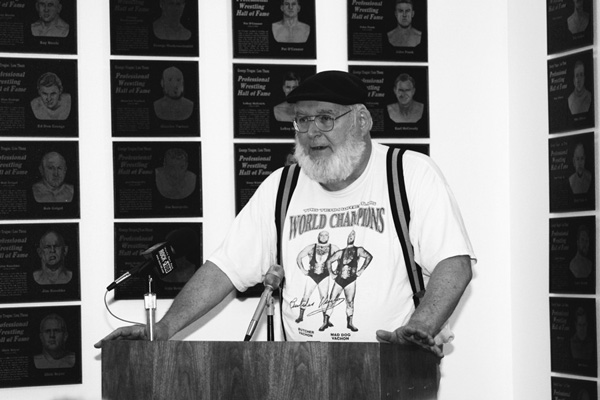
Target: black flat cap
332,86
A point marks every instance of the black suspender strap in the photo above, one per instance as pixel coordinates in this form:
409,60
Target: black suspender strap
287,184
401,217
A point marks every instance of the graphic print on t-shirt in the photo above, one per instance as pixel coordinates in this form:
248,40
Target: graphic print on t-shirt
338,268
333,251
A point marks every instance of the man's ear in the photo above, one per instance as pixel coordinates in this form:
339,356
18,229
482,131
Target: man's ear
365,121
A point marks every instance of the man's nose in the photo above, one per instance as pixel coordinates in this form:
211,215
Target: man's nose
313,130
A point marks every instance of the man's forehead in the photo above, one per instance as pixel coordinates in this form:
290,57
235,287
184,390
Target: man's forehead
50,237
173,73
54,159
52,322
404,6
405,84
51,88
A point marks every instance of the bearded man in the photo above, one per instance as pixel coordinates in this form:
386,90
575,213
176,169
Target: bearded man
342,187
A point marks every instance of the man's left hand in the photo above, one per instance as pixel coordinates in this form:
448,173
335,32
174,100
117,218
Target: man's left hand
411,334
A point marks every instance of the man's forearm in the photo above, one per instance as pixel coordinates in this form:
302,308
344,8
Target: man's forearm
444,290
207,288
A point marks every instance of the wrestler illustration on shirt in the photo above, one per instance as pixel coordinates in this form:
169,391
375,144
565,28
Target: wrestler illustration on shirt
315,256
347,269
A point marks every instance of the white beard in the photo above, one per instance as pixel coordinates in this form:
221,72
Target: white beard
337,167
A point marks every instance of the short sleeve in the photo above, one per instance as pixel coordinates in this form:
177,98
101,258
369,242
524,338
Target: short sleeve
250,246
437,230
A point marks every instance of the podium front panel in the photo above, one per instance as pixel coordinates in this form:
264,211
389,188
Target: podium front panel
266,371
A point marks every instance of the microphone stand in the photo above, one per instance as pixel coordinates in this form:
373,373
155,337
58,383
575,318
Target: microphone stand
270,327
271,282
150,305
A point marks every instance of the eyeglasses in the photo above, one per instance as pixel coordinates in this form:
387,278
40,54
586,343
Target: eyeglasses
324,122
405,90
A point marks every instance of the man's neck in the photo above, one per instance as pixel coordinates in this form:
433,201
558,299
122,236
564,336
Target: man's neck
172,99
56,107
290,20
53,189
172,23
53,271
49,24
54,354
406,109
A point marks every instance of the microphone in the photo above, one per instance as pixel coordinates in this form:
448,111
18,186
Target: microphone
272,280
180,243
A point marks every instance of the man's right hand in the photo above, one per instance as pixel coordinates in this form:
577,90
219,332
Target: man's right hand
134,332
207,288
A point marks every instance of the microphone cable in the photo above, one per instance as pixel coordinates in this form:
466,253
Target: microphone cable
115,316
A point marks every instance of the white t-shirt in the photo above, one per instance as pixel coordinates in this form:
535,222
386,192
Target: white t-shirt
382,293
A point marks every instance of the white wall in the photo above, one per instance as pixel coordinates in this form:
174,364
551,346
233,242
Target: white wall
469,108
528,173
489,135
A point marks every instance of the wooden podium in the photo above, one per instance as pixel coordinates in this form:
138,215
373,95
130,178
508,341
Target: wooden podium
182,370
